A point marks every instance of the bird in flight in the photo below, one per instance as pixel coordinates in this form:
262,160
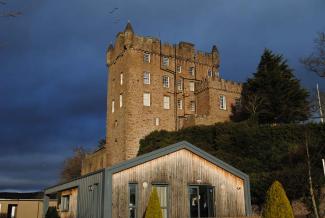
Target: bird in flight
112,11
12,14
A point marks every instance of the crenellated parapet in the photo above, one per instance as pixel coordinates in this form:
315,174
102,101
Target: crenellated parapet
183,51
218,83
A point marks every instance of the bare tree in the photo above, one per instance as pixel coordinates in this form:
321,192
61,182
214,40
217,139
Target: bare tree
315,62
72,165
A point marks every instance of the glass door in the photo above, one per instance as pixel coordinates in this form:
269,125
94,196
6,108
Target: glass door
201,199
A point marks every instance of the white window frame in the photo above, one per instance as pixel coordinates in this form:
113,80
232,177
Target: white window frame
113,106
146,99
180,85
146,57
121,79
180,104
222,102
157,121
166,102
179,69
191,70
191,86
146,78
165,61
192,106
209,73
121,100
65,203
166,81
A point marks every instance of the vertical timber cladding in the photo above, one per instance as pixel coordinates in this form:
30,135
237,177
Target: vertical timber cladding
178,170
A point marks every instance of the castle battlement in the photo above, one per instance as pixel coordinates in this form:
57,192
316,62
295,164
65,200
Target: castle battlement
219,84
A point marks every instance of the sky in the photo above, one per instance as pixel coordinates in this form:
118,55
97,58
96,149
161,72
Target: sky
53,82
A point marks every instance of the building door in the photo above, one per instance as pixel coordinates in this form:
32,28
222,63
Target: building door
201,199
12,211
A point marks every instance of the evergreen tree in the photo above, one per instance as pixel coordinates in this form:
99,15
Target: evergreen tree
277,204
153,209
273,95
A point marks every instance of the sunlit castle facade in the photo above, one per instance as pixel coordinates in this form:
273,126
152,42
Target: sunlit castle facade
158,86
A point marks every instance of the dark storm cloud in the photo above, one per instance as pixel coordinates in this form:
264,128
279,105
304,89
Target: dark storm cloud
53,73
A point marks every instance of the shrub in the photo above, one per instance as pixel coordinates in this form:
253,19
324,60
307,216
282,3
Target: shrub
277,204
153,209
52,213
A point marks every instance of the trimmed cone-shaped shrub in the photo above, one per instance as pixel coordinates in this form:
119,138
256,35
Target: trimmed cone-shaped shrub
277,204
153,209
52,213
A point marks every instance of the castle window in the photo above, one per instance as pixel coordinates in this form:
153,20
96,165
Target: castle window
166,102
192,86
146,57
179,104
113,106
222,102
157,121
146,78
216,74
121,78
180,85
191,70
133,200
192,105
237,103
165,61
121,100
179,69
166,81
115,123
209,73
146,99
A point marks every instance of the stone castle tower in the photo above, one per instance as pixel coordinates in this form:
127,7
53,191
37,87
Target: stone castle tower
156,86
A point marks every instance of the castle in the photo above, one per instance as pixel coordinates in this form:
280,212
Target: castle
158,86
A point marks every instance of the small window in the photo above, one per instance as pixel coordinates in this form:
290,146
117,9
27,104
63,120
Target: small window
115,123
165,61
65,200
163,199
146,57
146,78
133,198
157,121
216,74
166,81
121,78
179,104
121,100
237,103
166,102
180,85
192,86
179,69
113,106
191,71
146,99
222,102
209,73
192,105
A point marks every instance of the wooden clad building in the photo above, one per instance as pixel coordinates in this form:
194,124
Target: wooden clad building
190,183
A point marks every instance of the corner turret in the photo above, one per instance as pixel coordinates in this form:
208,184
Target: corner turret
128,34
